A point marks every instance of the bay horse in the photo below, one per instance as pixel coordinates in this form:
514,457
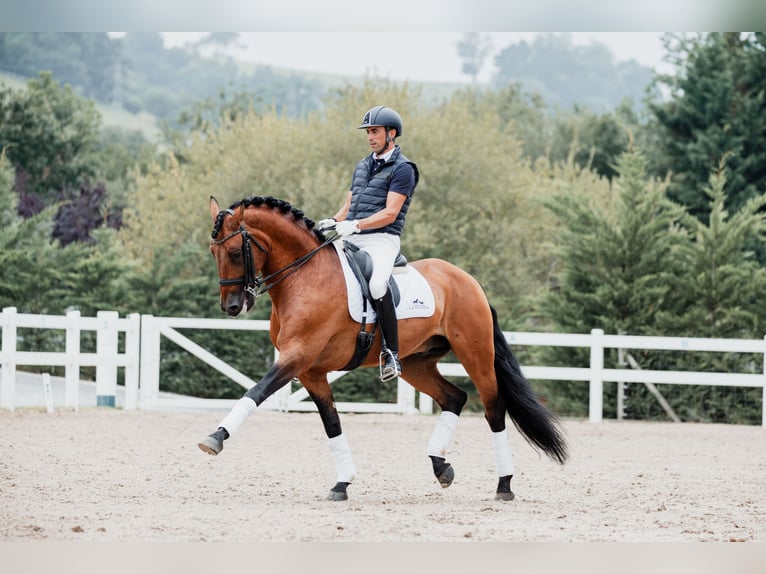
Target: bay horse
263,244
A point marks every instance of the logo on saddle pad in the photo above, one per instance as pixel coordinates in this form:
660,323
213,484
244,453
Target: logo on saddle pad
416,299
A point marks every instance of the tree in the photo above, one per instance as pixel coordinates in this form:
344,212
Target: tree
50,136
594,140
618,255
716,109
719,292
78,217
565,74
723,284
473,48
7,200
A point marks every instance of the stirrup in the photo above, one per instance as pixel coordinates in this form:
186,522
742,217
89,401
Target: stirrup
390,368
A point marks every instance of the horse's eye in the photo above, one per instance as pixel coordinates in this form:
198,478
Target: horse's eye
235,255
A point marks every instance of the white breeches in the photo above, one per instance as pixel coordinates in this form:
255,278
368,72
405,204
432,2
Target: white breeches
383,249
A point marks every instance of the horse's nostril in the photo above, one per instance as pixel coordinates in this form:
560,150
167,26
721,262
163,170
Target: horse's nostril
233,310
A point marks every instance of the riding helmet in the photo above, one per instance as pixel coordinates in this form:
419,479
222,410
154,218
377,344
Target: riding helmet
382,116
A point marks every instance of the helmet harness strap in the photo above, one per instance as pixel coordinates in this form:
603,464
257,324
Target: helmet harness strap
389,139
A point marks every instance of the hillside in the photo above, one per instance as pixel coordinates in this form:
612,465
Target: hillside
111,116
141,74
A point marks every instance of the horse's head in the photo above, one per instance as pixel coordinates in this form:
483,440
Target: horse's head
237,261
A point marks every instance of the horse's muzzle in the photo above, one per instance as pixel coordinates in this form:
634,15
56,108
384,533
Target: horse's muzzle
237,303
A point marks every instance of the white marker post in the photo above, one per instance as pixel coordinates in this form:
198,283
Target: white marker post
48,392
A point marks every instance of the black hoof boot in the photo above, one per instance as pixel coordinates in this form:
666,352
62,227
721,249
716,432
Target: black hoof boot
504,488
443,471
213,444
338,492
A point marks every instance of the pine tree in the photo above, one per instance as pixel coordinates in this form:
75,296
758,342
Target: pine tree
720,294
724,287
717,109
618,258
617,254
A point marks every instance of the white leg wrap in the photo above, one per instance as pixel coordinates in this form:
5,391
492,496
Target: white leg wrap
341,455
445,428
243,409
503,456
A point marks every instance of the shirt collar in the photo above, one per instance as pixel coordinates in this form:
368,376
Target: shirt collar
386,156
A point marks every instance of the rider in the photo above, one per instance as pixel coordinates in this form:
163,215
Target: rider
372,218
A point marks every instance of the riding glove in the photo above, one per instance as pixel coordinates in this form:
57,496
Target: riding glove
345,228
325,224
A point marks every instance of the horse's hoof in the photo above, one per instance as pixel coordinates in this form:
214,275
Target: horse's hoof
443,470
211,445
447,476
338,492
504,488
505,495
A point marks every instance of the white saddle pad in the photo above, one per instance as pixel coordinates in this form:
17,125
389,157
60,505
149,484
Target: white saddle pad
417,298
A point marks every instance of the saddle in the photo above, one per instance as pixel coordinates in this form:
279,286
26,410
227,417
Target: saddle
360,263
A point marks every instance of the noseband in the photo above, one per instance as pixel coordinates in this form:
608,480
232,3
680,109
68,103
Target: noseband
252,281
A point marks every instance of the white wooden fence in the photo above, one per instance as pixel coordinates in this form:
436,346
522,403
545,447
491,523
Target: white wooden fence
290,398
106,359
142,376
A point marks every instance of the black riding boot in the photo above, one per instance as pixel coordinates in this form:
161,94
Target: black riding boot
390,367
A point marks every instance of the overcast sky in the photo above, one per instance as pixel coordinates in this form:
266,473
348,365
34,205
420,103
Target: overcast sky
415,56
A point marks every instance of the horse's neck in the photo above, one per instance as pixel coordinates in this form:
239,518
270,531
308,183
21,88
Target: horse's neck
316,279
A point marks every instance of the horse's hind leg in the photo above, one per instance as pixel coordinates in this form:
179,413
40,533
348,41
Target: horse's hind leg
477,357
421,372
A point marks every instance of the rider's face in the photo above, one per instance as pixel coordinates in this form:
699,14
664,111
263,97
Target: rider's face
376,136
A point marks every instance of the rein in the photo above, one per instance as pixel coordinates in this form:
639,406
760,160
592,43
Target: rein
253,282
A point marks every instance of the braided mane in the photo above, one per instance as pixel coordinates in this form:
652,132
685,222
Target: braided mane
271,202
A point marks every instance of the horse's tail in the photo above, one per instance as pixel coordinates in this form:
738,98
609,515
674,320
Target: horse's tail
535,422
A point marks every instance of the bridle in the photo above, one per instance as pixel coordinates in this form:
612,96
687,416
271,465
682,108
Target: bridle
252,280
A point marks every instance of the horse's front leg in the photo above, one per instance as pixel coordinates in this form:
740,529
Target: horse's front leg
319,390
280,373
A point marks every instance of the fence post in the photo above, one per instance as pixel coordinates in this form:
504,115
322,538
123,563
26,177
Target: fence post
596,393
149,371
405,396
72,367
763,389
132,350
426,404
8,363
106,349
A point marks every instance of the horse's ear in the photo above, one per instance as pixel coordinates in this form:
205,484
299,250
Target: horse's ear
214,207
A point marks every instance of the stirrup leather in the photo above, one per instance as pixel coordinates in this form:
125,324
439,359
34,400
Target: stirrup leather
388,359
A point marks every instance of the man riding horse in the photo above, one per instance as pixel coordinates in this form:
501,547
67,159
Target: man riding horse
263,244
372,218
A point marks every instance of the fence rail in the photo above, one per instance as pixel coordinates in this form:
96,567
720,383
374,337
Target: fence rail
107,325
141,361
